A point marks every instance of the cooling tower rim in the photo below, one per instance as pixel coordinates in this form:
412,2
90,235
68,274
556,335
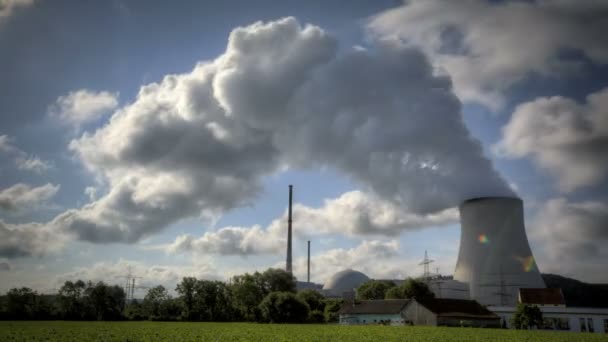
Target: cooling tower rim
491,198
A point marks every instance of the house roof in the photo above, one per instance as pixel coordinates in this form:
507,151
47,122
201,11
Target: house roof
447,307
384,306
542,296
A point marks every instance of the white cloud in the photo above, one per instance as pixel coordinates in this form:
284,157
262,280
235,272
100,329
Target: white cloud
354,214
147,275
573,238
230,241
379,259
32,163
358,214
21,196
488,47
82,106
567,139
8,7
281,95
23,161
5,144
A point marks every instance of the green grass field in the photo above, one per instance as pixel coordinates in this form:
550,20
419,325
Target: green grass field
174,332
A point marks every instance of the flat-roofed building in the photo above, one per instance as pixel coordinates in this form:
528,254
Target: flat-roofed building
386,311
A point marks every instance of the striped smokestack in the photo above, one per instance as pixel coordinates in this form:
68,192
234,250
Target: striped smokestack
288,266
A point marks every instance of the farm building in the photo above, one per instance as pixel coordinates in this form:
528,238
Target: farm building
387,311
449,312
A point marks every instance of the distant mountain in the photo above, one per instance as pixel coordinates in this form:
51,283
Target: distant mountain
578,293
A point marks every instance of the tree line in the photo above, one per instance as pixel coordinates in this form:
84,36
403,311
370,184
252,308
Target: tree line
269,296
387,289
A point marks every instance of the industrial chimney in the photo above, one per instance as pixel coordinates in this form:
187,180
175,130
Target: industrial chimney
288,266
495,258
308,265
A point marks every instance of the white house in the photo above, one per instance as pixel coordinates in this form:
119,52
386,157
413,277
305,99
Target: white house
387,311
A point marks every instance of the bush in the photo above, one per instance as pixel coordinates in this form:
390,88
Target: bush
283,307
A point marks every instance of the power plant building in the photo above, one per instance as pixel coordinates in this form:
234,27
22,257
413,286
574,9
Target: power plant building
344,283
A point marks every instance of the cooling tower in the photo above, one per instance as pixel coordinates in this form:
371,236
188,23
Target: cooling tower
495,258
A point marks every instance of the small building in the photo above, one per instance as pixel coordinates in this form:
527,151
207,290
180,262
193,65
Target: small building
386,311
450,312
542,297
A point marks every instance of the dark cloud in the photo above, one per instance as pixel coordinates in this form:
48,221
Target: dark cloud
573,237
479,43
29,239
5,266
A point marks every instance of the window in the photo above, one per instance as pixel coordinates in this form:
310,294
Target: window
606,326
583,325
590,324
562,324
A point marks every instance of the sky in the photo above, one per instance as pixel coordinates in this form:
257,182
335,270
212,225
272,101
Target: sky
160,139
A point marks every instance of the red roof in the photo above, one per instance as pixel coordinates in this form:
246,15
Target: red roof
542,296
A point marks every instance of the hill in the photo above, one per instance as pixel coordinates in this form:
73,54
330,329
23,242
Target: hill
578,293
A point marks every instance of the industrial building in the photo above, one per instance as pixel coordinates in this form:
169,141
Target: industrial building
344,283
495,271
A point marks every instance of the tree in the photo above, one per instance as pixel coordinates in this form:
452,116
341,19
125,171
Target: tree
187,290
154,301
213,302
409,289
277,280
22,303
71,301
106,302
247,295
316,303
313,298
527,316
283,307
332,306
374,289
135,312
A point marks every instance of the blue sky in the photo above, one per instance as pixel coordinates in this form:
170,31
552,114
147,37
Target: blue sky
326,107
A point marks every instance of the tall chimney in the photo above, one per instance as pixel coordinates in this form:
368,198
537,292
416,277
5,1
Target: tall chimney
288,266
308,272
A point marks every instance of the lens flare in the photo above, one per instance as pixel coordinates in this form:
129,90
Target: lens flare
483,238
527,263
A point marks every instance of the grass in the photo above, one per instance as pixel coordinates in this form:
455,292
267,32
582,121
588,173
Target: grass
183,331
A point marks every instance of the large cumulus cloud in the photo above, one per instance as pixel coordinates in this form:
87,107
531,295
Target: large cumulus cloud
567,139
281,96
489,46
